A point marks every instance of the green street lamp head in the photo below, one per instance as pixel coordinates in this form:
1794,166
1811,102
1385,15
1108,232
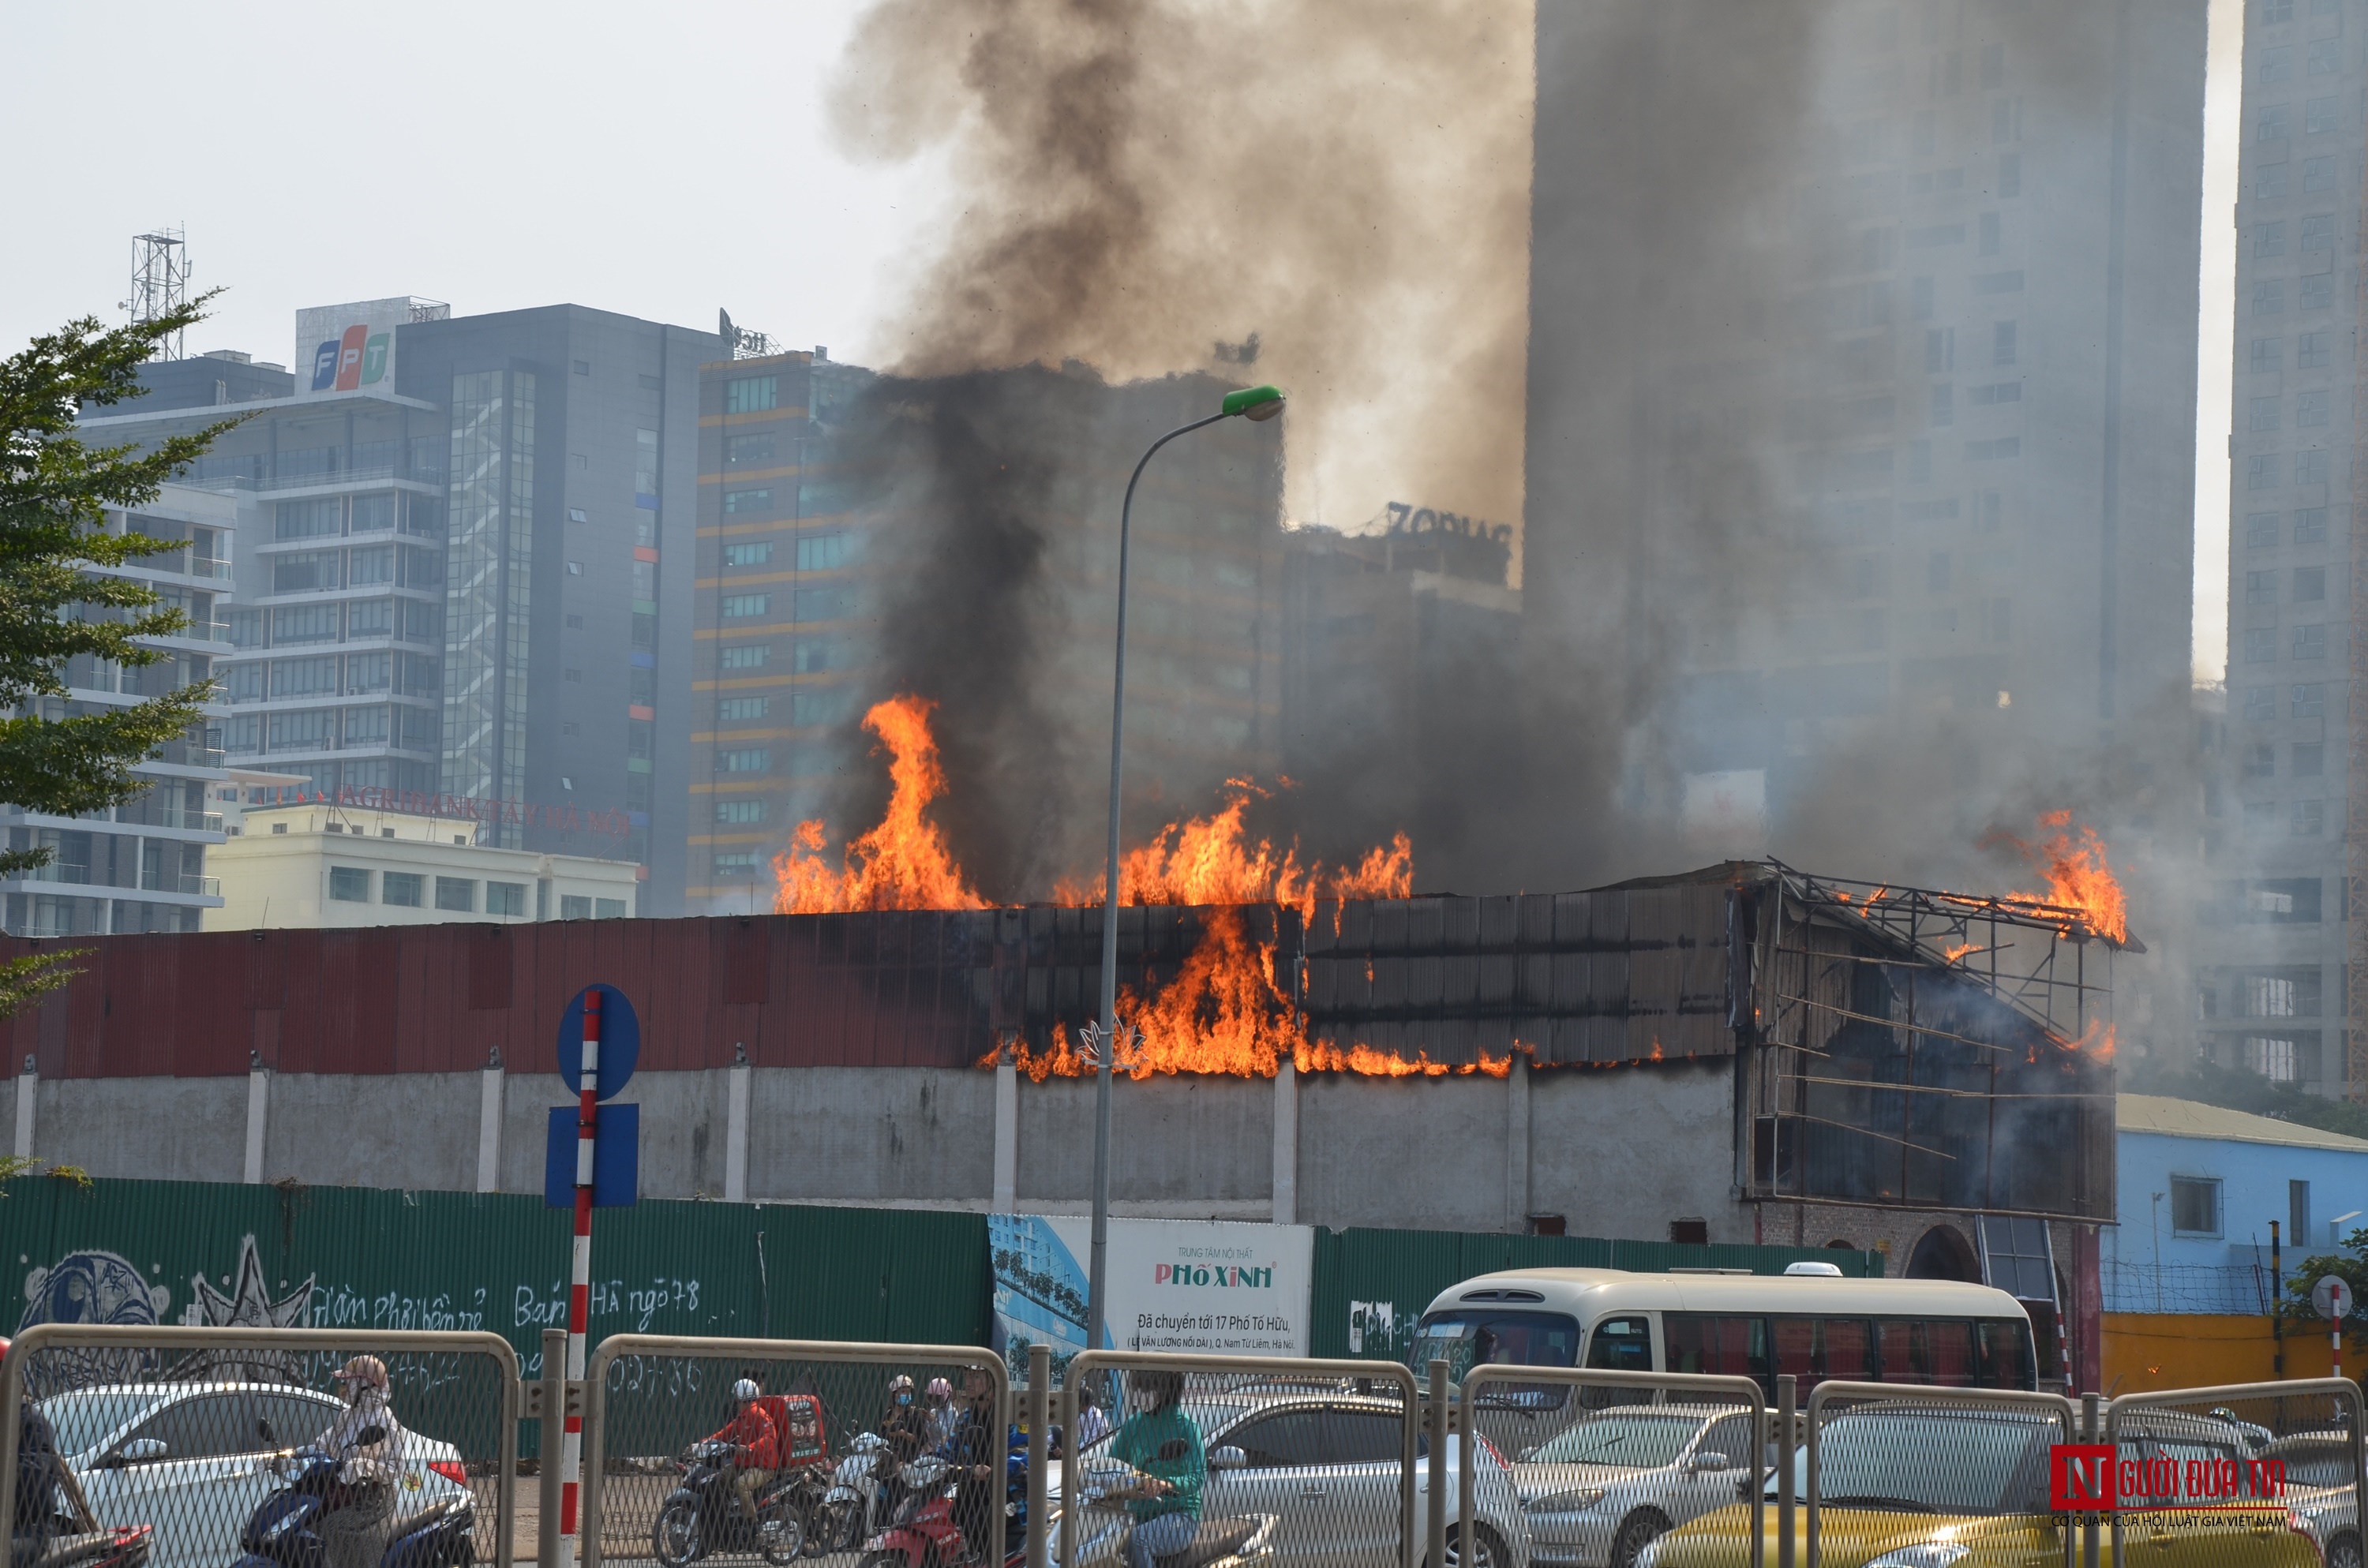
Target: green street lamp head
1258,402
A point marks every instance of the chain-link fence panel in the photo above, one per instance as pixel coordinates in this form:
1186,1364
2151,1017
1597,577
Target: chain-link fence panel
894,1456
203,1447
1916,1474
1604,1464
1224,1461
2253,1472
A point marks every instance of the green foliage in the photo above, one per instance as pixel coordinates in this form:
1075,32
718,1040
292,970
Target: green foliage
2350,1264
2236,1088
28,979
59,596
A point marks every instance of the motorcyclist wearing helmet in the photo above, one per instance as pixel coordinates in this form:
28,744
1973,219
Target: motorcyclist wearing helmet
905,1425
352,1536
1160,1441
755,1446
39,1473
945,1415
977,1449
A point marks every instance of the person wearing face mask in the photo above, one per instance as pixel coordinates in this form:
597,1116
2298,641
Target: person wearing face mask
977,1449
1161,1441
945,1415
905,1426
352,1535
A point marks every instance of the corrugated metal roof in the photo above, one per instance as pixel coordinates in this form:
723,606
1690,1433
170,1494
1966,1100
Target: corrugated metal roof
2188,1118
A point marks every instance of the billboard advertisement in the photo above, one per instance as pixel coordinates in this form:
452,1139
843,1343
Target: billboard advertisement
1208,1287
343,348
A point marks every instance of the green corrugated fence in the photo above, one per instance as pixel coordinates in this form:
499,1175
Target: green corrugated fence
1372,1286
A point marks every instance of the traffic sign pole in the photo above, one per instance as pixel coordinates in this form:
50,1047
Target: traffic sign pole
2332,1297
579,1292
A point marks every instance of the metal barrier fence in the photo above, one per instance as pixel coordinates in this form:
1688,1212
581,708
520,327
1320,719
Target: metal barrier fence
219,1442
2231,1466
859,1477
1893,1468
1607,1463
1313,1464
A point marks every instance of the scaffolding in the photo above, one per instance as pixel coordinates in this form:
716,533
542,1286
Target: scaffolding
1937,1049
159,283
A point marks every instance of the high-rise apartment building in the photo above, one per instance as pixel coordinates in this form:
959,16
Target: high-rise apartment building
2270,998
139,867
1860,423
450,568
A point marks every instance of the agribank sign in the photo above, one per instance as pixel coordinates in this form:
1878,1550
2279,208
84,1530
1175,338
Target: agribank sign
345,348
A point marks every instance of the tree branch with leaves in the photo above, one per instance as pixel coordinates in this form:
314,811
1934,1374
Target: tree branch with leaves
62,594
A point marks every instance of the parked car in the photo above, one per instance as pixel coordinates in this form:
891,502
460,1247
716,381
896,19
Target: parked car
2319,1490
1598,1492
1326,1466
1942,1486
185,1458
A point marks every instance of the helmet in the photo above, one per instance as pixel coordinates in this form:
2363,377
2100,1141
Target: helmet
900,1381
1163,1387
940,1388
367,1371
745,1389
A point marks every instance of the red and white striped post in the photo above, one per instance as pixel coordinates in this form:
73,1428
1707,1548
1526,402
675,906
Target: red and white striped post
579,1287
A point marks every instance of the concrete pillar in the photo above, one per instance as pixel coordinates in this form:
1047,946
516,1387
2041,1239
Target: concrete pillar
258,1104
735,1129
489,1125
1286,1144
1517,1145
28,1089
1007,1137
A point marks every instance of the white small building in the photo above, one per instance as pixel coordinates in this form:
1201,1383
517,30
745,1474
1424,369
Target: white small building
320,865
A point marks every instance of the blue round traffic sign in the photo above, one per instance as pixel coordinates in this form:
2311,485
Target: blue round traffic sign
620,1041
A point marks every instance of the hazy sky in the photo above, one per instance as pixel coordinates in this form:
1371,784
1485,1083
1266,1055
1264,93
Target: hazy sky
660,162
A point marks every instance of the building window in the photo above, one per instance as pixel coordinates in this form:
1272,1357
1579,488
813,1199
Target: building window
2261,530
2312,351
2319,293
822,553
748,655
737,866
2310,701
2260,587
2310,642
2003,343
2309,584
740,810
2265,414
349,884
2261,818
1940,350
741,709
2269,354
506,898
758,760
2261,645
2309,819
2318,232
2309,760
813,655
455,892
748,500
823,604
2310,526
1944,411
2261,760
2269,239
743,606
2323,58
400,888
2270,183
2270,297
744,451
2272,1056
2319,116
2310,468
2317,175
2009,180
748,554
2277,64
607,909
751,394
2196,1206
2263,470
576,906
2260,703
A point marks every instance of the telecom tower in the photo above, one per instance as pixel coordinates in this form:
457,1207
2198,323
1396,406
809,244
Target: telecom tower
160,282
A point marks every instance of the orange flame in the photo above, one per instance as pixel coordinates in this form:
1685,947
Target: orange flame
1211,860
2078,874
2097,1041
1954,951
902,863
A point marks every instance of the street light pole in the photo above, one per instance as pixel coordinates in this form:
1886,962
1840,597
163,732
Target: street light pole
1254,403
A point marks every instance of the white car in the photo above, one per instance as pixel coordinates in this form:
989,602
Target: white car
186,1458
1598,1492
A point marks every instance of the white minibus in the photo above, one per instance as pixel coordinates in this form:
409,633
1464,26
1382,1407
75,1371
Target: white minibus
1935,1332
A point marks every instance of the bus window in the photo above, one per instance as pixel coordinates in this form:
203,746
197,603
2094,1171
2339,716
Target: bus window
1729,1347
1622,1345
1936,1351
1477,1336
1814,1350
1847,1348
2006,1353
1796,1348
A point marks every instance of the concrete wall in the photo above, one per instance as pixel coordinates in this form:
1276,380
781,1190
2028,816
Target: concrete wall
1623,1154
1180,1147
872,1134
161,1128
331,1129
1427,1154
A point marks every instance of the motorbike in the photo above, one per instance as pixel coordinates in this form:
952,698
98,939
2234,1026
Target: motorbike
285,1530
862,1494
702,1516
126,1546
1103,1527
922,1531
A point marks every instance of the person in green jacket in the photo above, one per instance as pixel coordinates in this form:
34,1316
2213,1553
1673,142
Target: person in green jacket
1160,1441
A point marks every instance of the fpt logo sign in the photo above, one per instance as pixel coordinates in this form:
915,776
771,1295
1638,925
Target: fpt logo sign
355,359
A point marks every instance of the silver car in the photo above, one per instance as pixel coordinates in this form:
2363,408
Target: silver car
1325,1466
1598,1492
2320,1491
